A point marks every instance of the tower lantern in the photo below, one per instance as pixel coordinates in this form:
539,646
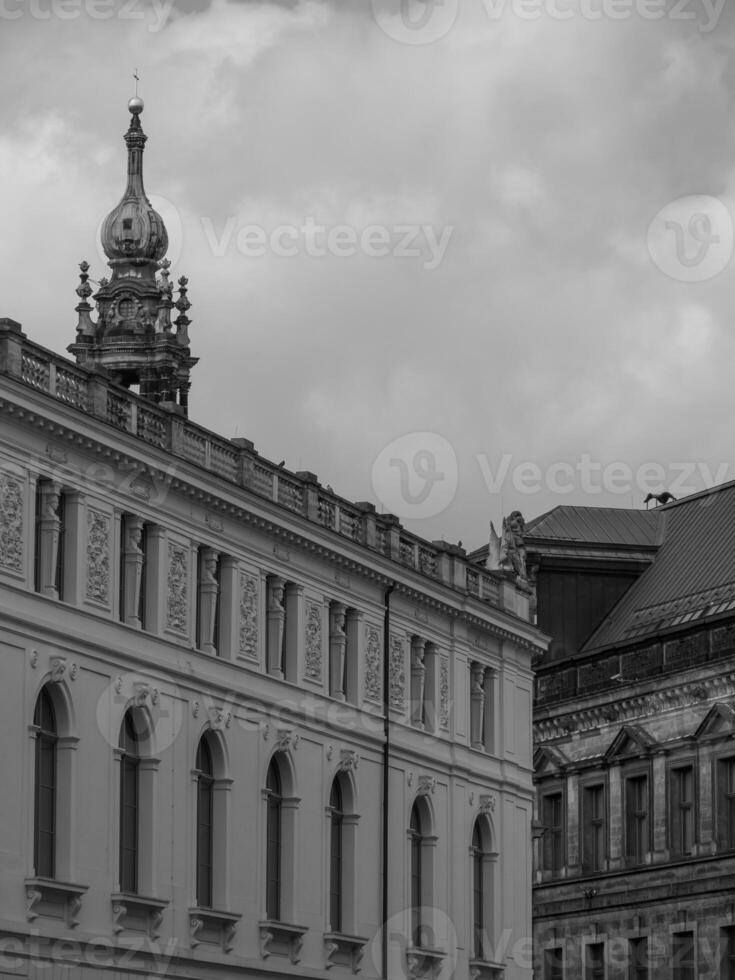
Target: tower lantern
133,339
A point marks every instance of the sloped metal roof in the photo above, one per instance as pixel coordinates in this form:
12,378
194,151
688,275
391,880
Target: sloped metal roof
602,526
691,578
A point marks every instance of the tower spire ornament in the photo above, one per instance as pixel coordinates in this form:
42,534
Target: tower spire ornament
132,340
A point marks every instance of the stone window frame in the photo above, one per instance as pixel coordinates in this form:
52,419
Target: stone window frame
631,770
587,782
553,787
688,761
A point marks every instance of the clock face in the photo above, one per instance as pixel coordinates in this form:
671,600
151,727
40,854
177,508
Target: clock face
126,308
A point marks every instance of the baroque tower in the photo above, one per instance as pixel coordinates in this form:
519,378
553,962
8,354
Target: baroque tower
133,340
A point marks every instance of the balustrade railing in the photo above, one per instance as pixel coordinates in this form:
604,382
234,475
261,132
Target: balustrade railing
238,462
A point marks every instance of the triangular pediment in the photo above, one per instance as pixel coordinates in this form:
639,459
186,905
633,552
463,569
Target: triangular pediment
630,742
547,760
719,720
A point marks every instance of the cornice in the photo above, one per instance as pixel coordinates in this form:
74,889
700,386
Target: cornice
275,525
629,709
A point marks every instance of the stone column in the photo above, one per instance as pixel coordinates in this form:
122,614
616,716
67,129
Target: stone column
208,592
477,705
133,559
220,843
276,620
490,734
66,823
431,696
337,649
147,826
229,608
48,538
660,810
616,828
156,570
418,681
293,638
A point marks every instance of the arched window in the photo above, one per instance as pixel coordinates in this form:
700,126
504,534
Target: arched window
44,843
482,874
417,881
273,858
336,849
129,802
205,824
478,894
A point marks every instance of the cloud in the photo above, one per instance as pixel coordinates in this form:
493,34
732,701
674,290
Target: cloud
545,332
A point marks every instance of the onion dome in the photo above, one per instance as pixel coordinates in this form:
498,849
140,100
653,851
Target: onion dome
133,231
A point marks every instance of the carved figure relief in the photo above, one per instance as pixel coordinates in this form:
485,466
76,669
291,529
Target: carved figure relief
98,556
397,669
372,664
178,587
313,667
444,692
11,523
248,615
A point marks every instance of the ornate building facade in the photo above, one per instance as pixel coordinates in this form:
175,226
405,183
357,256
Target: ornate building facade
634,736
248,726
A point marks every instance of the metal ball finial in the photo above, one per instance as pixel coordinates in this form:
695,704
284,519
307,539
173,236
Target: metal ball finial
136,105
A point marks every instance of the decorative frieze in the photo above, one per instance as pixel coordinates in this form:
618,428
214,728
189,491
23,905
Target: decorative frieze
11,523
372,665
641,706
98,556
444,693
313,629
248,644
397,670
177,617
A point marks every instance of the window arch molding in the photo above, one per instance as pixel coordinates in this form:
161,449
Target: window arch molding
212,788
280,808
137,802
421,859
63,863
341,852
484,882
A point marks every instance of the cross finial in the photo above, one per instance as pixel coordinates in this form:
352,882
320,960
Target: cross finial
136,76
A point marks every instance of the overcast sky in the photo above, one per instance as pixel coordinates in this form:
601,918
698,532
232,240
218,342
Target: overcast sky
510,158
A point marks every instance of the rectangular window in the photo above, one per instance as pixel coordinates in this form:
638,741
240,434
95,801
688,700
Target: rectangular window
638,959
552,817
727,953
681,810
682,956
637,823
554,963
726,803
594,849
594,961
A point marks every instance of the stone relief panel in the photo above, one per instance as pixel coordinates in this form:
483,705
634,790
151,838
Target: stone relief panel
11,523
372,664
178,588
313,665
444,692
248,615
98,556
397,670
